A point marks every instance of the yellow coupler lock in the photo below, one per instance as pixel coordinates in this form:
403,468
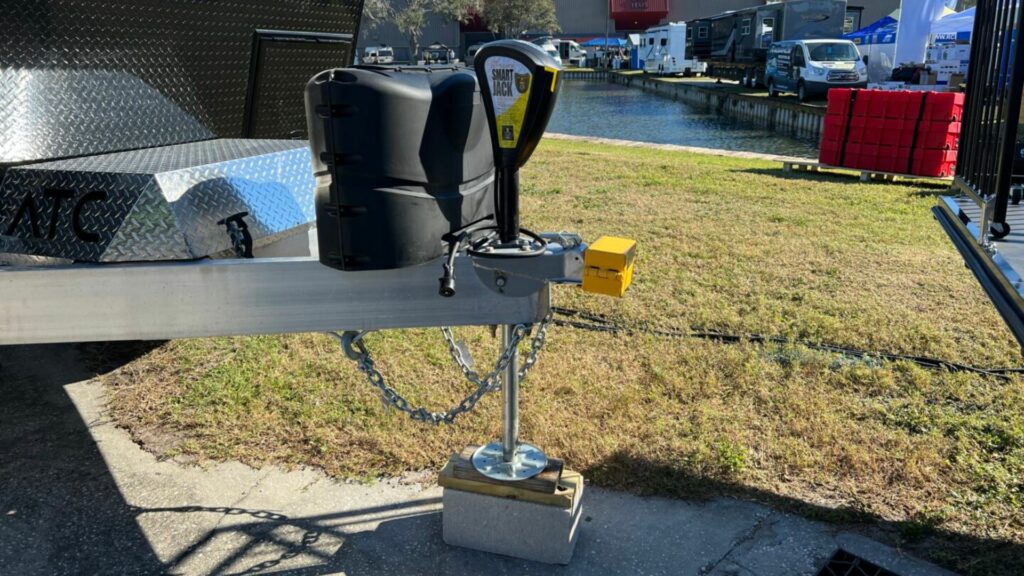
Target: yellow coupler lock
608,266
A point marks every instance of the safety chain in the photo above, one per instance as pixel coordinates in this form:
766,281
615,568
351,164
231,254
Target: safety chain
458,354
354,347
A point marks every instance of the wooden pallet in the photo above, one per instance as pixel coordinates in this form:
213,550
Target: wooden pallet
865,175
555,486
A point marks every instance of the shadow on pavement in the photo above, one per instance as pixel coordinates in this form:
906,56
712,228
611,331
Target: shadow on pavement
60,510
963,553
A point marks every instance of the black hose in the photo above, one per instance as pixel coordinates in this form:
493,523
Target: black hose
600,323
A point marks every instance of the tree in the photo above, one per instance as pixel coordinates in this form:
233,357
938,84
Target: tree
511,18
410,21
456,10
376,11
411,18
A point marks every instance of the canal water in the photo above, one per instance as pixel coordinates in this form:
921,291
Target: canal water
606,110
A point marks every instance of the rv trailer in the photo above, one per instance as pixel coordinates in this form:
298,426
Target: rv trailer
665,51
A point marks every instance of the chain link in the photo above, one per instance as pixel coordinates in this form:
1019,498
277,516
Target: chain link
354,347
535,346
473,377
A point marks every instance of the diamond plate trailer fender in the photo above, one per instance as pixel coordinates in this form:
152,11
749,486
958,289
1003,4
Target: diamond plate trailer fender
167,203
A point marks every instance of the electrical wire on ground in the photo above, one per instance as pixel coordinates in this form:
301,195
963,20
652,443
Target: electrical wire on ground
567,317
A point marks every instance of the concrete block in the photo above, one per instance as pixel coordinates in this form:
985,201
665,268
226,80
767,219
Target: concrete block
511,527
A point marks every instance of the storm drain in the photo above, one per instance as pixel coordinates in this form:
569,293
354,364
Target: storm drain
845,564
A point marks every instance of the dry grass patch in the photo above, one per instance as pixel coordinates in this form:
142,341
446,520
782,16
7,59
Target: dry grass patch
729,244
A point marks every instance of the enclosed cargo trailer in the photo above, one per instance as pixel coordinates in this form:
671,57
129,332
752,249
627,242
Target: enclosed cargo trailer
698,40
740,39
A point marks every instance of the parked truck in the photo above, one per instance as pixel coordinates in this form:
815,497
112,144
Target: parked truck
437,54
740,39
664,51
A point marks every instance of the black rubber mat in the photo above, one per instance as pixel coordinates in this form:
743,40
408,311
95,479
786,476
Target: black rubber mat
843,563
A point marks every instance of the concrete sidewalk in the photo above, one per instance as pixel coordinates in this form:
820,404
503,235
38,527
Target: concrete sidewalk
77,496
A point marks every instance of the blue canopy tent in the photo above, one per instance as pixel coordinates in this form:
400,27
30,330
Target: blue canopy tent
877,41
881,32
599,42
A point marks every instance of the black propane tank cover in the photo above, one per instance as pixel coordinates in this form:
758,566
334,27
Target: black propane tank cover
402,157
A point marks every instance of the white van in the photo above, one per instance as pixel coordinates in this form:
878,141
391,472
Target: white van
664,51
565,51
549,45
809,68
571,53
378,55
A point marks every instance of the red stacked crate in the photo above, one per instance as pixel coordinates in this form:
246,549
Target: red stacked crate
892,131
935,163
864,130
944,106
938,135
836,126
839,102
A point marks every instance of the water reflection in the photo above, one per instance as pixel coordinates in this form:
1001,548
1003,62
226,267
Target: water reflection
608,110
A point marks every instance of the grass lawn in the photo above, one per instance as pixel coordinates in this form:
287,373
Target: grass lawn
932,461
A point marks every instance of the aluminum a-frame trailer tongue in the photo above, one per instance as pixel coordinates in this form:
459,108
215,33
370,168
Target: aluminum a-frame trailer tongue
156,183
130,153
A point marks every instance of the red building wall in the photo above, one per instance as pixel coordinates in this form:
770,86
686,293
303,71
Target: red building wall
637,14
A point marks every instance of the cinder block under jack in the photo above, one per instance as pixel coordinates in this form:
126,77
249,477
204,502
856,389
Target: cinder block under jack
536,519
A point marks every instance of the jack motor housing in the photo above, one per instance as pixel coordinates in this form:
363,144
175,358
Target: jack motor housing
402,156
520,86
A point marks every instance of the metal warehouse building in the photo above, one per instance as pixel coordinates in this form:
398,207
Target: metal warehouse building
584,19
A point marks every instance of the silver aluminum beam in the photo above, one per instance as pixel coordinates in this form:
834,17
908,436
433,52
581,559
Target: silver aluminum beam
92,303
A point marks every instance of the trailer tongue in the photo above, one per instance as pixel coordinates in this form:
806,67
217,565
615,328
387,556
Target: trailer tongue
152,187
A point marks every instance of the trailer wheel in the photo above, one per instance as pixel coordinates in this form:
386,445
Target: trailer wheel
999,230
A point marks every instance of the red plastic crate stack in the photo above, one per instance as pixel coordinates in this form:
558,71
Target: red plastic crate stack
901,132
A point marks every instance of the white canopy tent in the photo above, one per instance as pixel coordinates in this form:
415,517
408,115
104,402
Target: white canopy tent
915,21
878,40
954,28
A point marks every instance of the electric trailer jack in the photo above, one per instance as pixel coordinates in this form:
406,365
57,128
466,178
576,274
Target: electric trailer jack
385,201
414,222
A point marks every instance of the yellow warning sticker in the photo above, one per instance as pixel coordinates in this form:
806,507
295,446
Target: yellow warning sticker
510,83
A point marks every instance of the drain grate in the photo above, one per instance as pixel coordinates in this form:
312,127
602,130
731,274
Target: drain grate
845,564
